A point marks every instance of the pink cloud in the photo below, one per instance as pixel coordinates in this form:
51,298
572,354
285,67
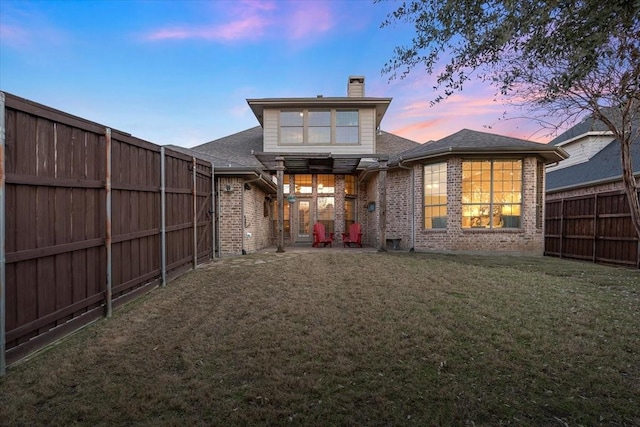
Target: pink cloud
310,18
13,35
248,20
249,27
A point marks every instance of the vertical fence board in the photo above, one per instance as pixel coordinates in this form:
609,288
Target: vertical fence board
596,228
58,241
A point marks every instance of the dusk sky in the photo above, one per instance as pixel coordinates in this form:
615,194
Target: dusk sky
179,72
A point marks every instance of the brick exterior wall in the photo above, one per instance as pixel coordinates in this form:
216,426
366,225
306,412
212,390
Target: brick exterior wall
235,204
399,217
257,234
528,239
230,215
367,193
402,197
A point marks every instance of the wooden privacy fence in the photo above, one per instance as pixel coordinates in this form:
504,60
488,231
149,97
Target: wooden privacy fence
89,218
594,227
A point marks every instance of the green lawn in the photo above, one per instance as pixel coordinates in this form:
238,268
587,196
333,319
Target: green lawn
344,338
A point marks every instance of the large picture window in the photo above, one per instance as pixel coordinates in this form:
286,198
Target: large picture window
435,196
491,193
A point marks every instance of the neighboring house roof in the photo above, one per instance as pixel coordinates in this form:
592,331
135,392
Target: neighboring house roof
587,125
473,142
604,166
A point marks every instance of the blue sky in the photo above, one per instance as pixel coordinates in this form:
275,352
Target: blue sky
179,72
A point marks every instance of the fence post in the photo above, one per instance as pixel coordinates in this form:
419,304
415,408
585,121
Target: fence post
163,218
595,227
195,216
561,226
107,241
3,287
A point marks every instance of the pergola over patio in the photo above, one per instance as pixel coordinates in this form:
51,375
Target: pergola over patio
326,163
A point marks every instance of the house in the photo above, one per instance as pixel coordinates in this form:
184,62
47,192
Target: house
588,215
594,165
325,159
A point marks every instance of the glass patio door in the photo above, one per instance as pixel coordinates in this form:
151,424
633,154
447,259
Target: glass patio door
304,221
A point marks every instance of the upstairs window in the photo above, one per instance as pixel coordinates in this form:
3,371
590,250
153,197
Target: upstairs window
347,127
319,127
292,127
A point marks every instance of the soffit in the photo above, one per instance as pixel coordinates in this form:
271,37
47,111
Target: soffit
313,163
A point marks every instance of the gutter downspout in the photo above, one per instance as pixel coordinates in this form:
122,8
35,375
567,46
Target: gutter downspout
413,203
213,210
242,219
219,205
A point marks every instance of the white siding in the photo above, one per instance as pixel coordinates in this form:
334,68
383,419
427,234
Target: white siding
582,150
366,146
270,121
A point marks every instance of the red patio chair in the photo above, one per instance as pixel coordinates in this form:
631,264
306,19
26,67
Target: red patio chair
320,236
354,235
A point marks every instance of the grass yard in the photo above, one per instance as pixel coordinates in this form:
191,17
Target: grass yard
339,338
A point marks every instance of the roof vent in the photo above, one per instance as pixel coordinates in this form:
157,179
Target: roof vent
355,88
320,96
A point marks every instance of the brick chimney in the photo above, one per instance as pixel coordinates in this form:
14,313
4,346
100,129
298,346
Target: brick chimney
355,88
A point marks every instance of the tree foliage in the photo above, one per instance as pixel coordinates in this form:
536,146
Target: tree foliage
562,59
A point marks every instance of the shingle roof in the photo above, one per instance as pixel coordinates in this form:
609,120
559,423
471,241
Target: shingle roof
588,124
470,141
238,150
388,143
235,150
605,165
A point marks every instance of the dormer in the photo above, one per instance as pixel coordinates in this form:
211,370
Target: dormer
337,125
582,148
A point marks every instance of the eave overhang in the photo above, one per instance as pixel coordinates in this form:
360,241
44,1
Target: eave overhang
260,178
316,163
550,154
259,105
